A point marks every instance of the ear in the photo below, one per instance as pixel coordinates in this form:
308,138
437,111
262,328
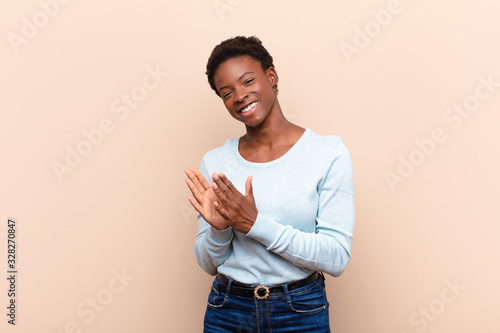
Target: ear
273,76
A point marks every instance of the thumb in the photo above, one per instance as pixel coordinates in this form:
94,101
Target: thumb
249,187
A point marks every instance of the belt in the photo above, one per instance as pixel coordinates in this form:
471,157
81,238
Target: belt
261,291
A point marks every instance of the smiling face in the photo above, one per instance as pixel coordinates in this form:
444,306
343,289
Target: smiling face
247,90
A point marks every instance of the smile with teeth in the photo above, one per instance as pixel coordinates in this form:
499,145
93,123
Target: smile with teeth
249,107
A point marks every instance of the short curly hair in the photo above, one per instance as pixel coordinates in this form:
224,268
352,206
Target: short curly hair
235,47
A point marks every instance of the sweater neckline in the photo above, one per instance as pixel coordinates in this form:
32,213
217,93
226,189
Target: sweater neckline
275,161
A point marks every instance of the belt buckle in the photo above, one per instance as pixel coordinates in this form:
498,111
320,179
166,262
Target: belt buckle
260,288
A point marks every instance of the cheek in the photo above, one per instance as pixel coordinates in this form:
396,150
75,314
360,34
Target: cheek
266,91
266,98
227,104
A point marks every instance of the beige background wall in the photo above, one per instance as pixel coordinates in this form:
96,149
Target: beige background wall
105,240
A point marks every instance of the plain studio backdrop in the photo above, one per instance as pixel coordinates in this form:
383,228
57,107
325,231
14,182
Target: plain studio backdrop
104,103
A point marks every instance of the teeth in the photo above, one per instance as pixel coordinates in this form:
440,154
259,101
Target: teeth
248,108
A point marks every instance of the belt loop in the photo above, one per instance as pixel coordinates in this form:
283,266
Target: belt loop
229,286
285,290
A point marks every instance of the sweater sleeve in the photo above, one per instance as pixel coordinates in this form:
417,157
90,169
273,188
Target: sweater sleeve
329,249
212,246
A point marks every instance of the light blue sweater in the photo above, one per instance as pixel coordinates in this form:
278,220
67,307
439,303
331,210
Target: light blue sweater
305,223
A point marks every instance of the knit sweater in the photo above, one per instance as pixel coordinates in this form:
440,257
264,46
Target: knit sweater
305,220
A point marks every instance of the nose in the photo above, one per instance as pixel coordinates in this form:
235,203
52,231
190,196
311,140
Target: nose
241,95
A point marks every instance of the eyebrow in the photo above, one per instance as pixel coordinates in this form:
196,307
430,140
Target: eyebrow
242,75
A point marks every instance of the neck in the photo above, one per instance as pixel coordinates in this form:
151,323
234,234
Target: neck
268,132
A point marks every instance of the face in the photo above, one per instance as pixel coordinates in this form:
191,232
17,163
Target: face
248,91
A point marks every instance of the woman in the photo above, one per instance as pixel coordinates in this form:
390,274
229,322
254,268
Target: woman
269,246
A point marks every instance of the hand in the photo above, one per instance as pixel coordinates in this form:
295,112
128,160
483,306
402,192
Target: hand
204,198
238,210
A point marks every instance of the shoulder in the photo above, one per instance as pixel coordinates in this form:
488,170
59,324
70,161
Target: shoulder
332,158
329,145
223,152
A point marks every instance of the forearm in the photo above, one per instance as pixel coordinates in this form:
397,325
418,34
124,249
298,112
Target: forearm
326,251
212,247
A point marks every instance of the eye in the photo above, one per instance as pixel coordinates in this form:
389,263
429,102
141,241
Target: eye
226,94
249,81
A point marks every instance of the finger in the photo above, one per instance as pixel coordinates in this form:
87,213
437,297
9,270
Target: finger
226,196
226,185
222,211
195,191
196,205
195,181
249,187
221,196
201,178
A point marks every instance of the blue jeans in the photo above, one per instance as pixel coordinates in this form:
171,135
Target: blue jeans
304,309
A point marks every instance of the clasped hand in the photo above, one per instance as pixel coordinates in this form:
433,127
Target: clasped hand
221,204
